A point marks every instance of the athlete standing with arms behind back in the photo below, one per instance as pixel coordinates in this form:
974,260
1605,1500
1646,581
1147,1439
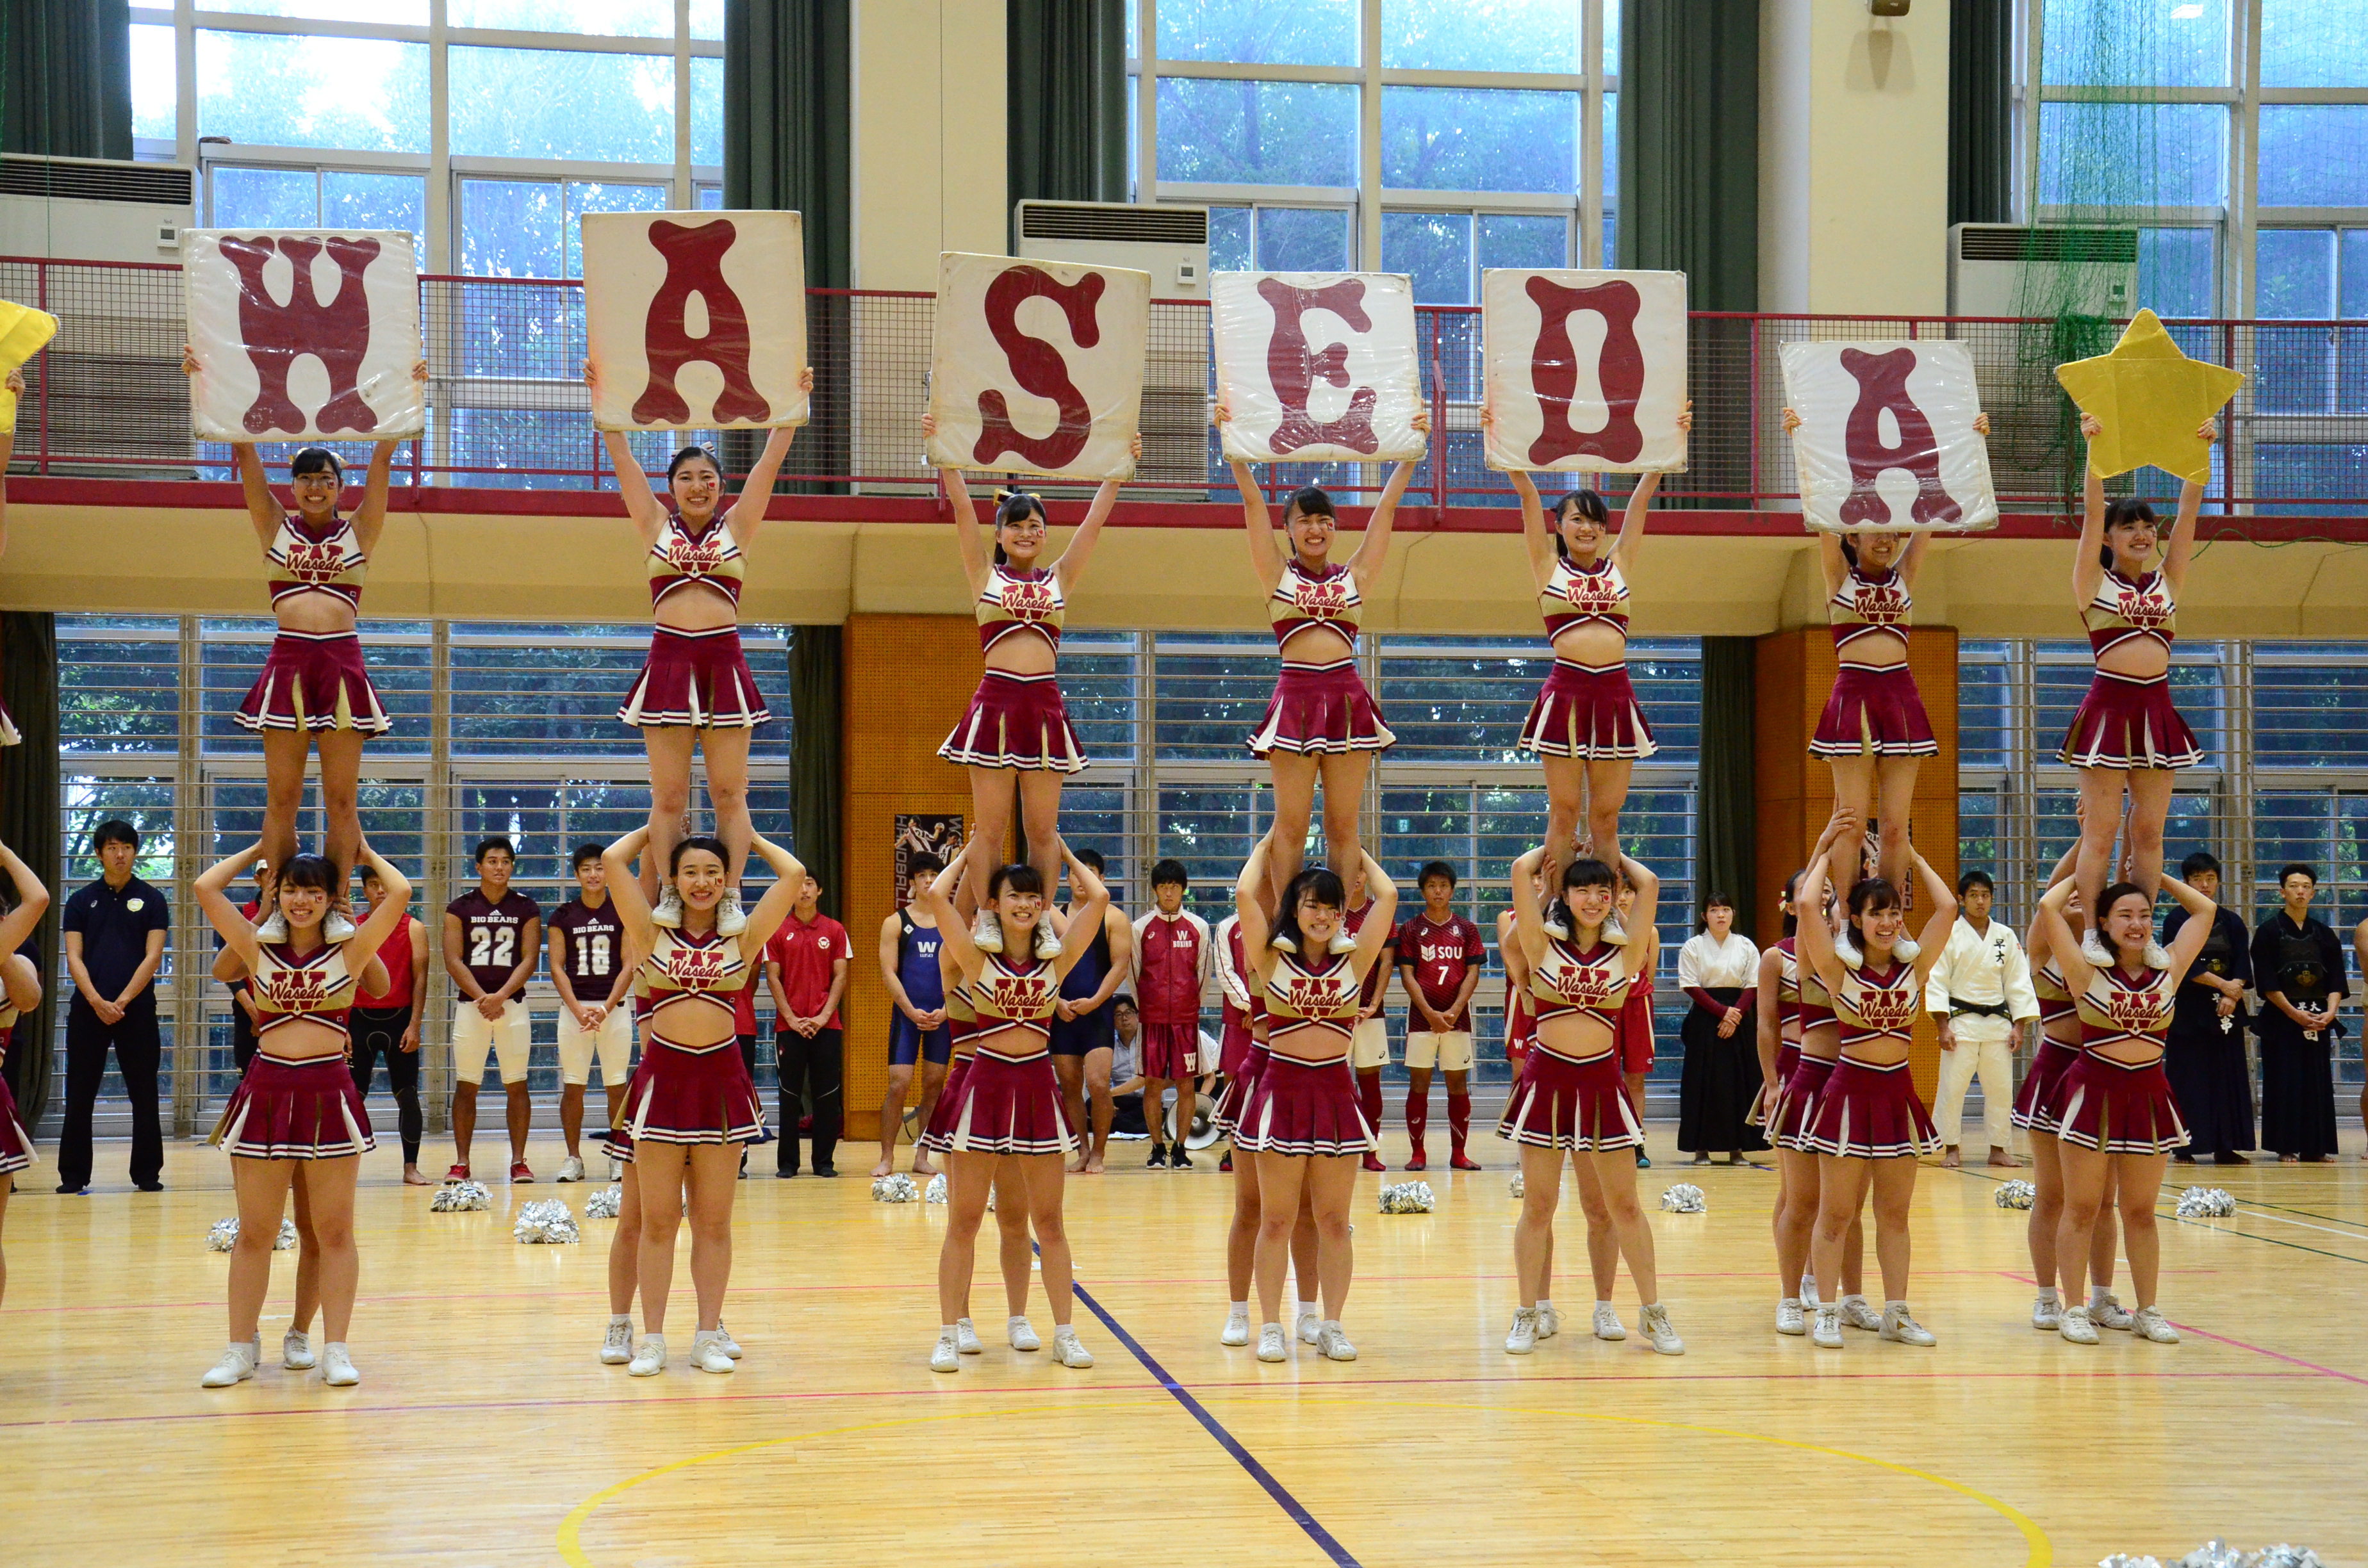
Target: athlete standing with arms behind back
493,939
1173,959
587,970
1439,957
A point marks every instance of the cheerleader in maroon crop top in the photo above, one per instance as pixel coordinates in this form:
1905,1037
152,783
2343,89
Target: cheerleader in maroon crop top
296,1115
1586,726
1321,720
314,689
2127,736
1874,732
695,692
20,989
1016,739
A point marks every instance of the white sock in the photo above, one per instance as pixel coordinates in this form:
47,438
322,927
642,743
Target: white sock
1311,1309
2047,1293
1899,1307
1858,1296
945,1331
1600,1303
1545,1305
1016,1320
623,1320
1331,1326
1810,1289
337,1345
1790,1301
2096,1294
1239,1310
1272,1328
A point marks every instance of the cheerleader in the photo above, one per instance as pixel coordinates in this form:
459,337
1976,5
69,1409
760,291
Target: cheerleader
1869,1125
1321,722
695,692
2113,1109
2126,735
1585,727
1635,1026
314,689
2059,1045
1718,971
1017,733
1874,732
1807,1041
1008,1103
691,1102
296,1115
20,991
1241,1238
1300,1120
1521,1034
1570,1096
15,386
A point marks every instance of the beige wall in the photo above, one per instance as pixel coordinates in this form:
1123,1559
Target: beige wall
1853,157
929,115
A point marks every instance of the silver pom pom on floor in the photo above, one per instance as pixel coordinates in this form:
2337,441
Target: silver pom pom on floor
1408,1197
605,1203
461,1197
225,1231
548,1222
2205,1203
897,1189
936,1191
2220,1554
2017,1195
1517,1186
1684,1198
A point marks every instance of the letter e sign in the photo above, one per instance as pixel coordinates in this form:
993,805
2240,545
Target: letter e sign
1317,367
302,336
695,321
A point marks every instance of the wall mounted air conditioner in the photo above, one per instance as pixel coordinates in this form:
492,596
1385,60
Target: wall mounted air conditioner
1172,244
94,209
1987,263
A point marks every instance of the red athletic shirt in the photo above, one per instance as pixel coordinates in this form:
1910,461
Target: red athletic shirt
395,954
1441,954
1384,964
805,951
1171,959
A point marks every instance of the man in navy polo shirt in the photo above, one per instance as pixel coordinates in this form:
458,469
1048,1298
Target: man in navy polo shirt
115,941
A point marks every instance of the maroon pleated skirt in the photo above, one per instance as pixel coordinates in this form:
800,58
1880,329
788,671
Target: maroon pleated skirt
1016,722
2106,1105
1560,1104
16,1143
1872,1113
304,1108
1321,707
2125,723
314,681
2048,1064
1233,1044
699,679
1239,1081
1004,1105
1875,712
1303,1108
1763,1114
1637,1032
1795,1105
681,1095
1587,711
941,1119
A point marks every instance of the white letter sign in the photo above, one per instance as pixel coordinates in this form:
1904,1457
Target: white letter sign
302,336
695,321
1585,369
1037,367
1886,438
1317,367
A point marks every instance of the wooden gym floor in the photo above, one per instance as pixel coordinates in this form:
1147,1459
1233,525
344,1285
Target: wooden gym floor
486,1431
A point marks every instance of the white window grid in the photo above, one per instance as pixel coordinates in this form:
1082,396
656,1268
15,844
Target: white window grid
688,185
1365,201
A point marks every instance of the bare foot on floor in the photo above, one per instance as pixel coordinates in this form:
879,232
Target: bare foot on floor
411,1177
2001,1158
887,1166
1951,1159
1093,1166
922,1169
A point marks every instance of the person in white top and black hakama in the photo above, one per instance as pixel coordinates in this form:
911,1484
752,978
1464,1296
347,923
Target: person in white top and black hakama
1719,969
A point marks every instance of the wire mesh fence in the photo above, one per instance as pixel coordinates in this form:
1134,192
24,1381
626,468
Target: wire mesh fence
508,407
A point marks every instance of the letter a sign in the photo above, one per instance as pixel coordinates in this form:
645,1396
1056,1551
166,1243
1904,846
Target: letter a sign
695,321
1037,367
1585,369
302,336
1886,438
1317,367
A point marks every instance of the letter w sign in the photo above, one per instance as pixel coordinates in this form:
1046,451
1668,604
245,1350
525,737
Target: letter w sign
302,336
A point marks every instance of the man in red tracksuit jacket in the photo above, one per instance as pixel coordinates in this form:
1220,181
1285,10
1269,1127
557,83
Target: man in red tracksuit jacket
1173,955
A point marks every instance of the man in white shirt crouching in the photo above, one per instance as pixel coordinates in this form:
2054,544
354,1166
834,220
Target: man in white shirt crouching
1980,995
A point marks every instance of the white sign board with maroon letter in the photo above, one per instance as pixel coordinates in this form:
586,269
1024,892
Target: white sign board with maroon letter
1317,367
1584,369
302,334
1037,367
695,321
1887,438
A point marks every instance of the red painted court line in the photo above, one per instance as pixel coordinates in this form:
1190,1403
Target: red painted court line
2273,1355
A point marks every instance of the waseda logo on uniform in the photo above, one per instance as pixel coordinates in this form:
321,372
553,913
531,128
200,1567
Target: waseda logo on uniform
695,557
314,563
291,990
1022,993
1324,599
1881,602
1029,601
1888,1010
2140,1012
2142,607
1591,592
1587,987
696,969
1316,994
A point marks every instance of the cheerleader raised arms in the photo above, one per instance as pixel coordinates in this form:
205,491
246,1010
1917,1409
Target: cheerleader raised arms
1016,736
1321,722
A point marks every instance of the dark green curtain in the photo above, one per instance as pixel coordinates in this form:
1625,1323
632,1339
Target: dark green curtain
1726,844
1065,89
1981,111
29,825
817,781
66,78
1689,197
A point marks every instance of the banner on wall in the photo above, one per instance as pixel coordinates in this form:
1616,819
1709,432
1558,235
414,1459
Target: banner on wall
695,321
1317,367
1584,369
939,834
302,334
1037,367
1886,438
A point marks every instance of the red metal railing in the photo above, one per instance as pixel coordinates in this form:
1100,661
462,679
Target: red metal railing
507,408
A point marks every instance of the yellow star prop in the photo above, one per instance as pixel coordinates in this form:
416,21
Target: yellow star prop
2150,398
23,332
